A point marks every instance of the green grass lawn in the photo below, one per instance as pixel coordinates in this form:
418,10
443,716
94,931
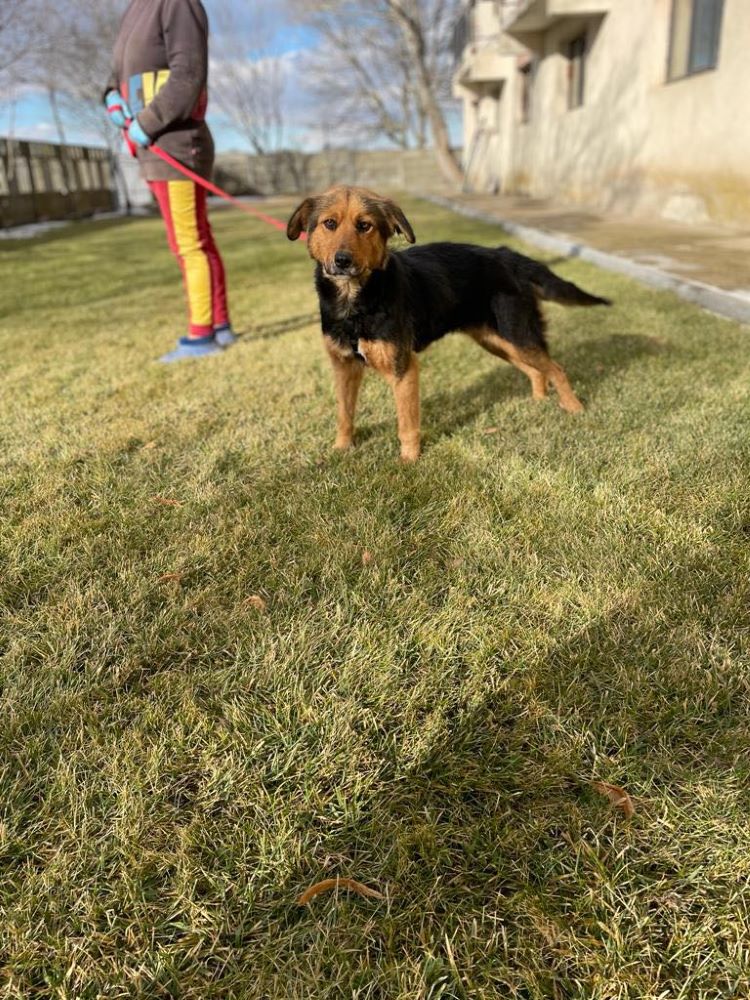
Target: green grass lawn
548,601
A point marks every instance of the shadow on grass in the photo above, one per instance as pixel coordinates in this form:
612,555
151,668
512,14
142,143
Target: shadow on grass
494,824
270,331
497,826
445,413
489,836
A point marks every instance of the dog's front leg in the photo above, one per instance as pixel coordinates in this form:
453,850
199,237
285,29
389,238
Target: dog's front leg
347,375
406,392
402,371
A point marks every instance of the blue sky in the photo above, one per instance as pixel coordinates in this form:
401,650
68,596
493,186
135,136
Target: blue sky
30,117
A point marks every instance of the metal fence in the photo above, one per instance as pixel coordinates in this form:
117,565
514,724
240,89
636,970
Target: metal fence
40,182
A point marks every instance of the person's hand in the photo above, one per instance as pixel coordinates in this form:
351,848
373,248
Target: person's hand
117,109
136,134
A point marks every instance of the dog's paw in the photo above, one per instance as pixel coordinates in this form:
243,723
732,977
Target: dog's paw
572,405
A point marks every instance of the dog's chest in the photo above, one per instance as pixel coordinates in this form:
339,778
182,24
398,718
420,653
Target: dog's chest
347,324
346,334
349,319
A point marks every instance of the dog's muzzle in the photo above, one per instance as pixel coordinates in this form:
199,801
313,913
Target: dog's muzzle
343,265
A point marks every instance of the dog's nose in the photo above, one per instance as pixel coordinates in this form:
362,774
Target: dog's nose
343,259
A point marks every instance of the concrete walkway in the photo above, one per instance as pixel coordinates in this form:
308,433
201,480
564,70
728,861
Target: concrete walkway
707,264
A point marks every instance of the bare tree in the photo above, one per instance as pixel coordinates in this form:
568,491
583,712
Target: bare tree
384,69
19,28
71,62
358,95
413,18
75,60
20,21
247,79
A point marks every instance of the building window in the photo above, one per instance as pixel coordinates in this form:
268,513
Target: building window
576,53
696,32
528,77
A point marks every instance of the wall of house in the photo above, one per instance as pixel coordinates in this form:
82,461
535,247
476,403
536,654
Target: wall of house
639,144
700,148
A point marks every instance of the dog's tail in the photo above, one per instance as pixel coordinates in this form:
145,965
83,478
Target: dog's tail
547,285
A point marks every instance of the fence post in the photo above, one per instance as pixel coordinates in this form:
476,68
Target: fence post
26,153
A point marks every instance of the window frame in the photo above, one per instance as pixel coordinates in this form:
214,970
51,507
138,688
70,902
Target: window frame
576,89
528,74
675,77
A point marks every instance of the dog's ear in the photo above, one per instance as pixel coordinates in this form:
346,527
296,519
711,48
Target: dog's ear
398,221
300,218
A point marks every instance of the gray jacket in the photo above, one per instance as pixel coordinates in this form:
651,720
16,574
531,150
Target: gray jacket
160,67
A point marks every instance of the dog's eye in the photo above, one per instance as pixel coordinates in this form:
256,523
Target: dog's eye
364,227
330,224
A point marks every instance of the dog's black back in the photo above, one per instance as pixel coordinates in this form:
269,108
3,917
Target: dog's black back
425,292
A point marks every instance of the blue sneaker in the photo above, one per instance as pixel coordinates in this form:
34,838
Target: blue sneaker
225,335
192,347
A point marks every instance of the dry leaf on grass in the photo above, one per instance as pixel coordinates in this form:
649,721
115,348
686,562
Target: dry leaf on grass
338,883
491,430
166,502
367,558
617,796
170,578
256,601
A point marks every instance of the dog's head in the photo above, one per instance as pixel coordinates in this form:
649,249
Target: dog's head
348,230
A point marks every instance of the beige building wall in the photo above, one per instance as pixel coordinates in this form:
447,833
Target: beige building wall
483,80
639,144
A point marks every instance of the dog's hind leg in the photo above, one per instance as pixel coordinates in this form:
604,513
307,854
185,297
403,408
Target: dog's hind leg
555,374
492,342
347,374
539,381
535,363
402,372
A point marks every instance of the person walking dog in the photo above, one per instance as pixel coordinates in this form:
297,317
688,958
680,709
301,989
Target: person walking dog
158,93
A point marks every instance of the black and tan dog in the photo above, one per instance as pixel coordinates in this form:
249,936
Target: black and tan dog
381,309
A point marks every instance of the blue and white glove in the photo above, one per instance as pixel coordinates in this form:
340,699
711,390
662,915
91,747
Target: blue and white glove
117,109
136,134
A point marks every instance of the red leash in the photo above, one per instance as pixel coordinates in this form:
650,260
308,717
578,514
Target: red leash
197,179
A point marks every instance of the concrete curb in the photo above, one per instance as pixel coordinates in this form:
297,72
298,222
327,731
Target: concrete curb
715,300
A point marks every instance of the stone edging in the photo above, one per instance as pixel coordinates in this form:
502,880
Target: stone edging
715,300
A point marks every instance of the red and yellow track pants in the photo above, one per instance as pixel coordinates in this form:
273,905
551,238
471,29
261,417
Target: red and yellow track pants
191,240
